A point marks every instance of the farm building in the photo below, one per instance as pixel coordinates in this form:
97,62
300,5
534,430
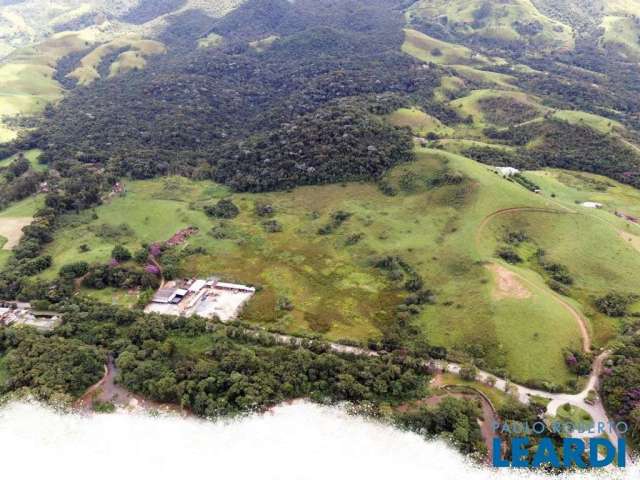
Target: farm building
17,313
165,295
207,298
234,286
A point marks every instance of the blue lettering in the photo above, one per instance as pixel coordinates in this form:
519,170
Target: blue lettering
622,453
546,453
519,452
572,450
496,454
594,443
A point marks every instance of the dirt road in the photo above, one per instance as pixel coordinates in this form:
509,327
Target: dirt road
580,320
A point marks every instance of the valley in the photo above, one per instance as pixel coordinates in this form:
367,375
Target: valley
419,191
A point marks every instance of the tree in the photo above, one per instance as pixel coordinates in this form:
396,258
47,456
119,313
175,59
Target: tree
74,270
225,208
613,304
120,253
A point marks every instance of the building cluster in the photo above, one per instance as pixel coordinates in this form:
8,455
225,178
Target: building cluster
209,298
19,313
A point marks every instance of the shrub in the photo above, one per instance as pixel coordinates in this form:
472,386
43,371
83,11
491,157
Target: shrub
264,210
74,270
120,253
509,255
272,226
613,304
223,209
468,372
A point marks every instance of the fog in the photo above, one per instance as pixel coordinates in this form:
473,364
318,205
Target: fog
298,441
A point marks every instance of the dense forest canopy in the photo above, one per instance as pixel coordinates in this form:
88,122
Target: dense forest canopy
198,113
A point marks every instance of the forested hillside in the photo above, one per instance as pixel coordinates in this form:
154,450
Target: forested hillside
218,112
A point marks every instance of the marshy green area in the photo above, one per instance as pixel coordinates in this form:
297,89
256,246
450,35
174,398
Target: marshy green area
440,222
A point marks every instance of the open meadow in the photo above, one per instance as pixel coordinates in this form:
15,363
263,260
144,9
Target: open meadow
442,222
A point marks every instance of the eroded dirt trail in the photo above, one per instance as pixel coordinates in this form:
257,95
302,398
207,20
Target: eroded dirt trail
580,320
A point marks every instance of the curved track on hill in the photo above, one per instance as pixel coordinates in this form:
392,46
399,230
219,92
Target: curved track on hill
575,314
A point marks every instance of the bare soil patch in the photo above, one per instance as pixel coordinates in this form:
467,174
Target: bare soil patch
631,239
508,285
11,229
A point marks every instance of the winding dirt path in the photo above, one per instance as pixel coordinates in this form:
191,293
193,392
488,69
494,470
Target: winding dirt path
580,320
505,211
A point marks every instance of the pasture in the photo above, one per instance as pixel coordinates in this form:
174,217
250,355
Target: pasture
329,279
497,21
419,122
32,156
12,220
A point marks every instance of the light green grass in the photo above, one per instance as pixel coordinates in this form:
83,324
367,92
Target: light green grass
596,122
112,296
472,104
211,40
32,156
264,43
498,23
332,286
621,32
570,187
493,79
429,49
571,414
498,397
134,58
418,121
23,208
26,76
601,251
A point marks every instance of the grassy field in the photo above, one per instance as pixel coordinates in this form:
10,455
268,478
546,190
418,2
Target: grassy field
575,239
476,104
264,43
570,414
12,219
211,40
498,397
26,77
134,57
32,156
497,21
466,63
596,122
419,122
330,282
621,32
429,49
112,296
503,314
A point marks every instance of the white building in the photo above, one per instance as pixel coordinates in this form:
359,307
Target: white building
507,171
591,204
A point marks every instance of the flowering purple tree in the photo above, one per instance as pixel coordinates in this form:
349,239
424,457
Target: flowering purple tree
152,269
155,249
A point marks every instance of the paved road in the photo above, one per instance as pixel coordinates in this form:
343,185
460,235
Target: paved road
522,393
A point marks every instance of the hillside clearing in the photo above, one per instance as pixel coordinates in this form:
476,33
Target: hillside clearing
11,230
633,240
507,284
